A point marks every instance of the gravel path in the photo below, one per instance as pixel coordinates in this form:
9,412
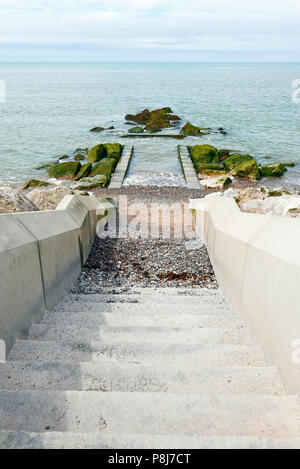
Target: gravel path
147,262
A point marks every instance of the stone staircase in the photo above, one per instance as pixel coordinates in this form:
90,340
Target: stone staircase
156,368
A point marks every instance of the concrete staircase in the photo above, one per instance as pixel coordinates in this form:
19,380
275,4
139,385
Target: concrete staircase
168,368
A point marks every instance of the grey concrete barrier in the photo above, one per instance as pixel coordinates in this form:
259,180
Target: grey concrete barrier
256,259
41,256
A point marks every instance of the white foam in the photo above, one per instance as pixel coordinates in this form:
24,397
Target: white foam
155,179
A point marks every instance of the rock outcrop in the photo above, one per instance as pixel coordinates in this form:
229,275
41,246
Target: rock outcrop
12,201
65,170
48,199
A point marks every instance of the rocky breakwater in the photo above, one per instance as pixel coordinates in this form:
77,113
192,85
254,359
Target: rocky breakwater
219,168
151,122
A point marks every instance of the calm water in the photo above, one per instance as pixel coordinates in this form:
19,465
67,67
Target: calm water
51,107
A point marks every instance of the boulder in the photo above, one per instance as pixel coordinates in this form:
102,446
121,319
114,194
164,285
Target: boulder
136,130
97,129
114,150
90,183
12,201
65,170
173,117
204,157
249,193
217,182
207,173
224,154
272,170
248,169
105,166
36,183
84,172
190,130
234,160
79,157
153,120
97,153
48,199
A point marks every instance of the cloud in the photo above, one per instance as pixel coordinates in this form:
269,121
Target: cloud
154,25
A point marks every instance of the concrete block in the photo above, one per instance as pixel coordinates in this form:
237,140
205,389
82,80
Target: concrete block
21,290
58,237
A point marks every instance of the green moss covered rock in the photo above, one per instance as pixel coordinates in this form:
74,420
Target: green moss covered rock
235,160
247,169
136,130
272,170
190,130
153,120
97,153
79,157
114,150
105,166
84,171
204,157
65,170
224,154
97,129
91,182
36,183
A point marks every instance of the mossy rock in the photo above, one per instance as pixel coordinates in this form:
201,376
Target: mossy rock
91,182
235,160
272,170
65,170
204,157
84,172
63,157
136,130
173,117
247,169
97,153
105,166
140,118
190,130
79,157
224,154
289,164
36,183
97,129
158,120
114,150
208,173
44,166
82,151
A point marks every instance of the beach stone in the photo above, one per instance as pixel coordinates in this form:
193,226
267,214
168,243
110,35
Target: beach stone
97,153
204,157
35,183
249,193
48,199
207,173
97,129
247,169
114,150
136,130
272,170
12,201
65,170
235,160
84,172
217,182
190,130
91,182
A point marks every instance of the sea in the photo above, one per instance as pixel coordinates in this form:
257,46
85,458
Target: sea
48,109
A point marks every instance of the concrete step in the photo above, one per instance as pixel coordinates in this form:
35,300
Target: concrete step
209,297
150,413
125,377
145,353
147,308
156,335
72,440
132,319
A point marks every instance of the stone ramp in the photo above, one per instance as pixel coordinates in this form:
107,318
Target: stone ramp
162,368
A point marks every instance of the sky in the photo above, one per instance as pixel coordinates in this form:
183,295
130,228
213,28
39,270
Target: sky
149,30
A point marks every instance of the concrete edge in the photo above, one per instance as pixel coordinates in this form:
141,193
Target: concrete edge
256,259
122,168
41,256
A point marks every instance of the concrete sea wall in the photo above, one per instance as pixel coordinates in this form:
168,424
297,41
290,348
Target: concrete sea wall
256,259
41,256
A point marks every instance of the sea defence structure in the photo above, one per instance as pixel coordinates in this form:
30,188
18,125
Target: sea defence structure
41,256
256,259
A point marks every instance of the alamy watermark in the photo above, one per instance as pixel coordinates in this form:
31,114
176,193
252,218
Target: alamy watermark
296,91
2,92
